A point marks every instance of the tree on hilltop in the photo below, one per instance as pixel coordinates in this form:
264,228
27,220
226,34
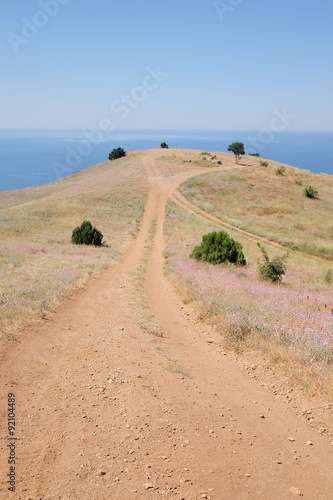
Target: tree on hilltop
238,149
117,153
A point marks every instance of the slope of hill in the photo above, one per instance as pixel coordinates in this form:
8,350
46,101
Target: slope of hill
127,391
265,203
39,264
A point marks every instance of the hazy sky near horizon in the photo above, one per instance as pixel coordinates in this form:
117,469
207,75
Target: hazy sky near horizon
151,64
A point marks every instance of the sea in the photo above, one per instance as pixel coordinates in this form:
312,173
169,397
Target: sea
36,157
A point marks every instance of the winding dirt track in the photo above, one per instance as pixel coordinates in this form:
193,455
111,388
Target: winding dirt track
108,411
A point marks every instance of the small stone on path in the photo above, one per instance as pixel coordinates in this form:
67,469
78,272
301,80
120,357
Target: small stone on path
296,491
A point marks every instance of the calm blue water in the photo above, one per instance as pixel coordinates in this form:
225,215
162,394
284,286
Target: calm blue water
29,158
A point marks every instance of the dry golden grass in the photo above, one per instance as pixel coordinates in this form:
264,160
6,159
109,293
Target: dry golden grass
254,198
39,265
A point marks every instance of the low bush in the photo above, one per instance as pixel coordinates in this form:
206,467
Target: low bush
264,163
255,154
219,248
281,170
298,182
272,270
310,192
116,153
164,145
86,234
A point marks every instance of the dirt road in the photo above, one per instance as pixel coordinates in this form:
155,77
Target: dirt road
107,409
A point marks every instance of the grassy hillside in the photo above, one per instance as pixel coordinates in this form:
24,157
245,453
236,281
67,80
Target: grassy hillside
274,206
39,265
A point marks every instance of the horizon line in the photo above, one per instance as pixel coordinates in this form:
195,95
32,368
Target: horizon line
156,130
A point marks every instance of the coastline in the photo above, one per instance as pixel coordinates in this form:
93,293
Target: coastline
34,157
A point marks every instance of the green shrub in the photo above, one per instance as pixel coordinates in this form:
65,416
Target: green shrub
281,170
310,192
116,153
264,163
87,235
274,269
255,154
164,145
298,182
219,248
294,247
329,276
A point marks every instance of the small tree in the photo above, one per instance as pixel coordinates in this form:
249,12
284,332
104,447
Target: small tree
87,235
164,145
274,269
238,149
219,248
310,192
116,153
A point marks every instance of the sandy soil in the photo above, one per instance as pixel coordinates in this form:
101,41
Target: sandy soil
106,410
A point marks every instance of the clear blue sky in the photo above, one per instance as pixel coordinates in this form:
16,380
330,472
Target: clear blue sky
227,68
